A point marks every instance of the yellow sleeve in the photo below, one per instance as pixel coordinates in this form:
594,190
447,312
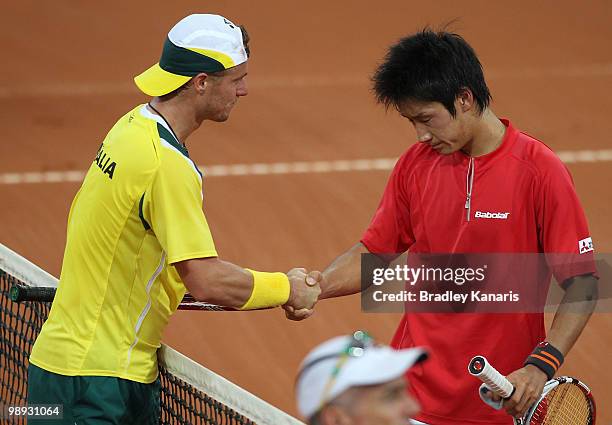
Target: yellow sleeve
172,206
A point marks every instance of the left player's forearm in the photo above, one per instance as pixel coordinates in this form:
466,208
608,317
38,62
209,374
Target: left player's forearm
573,313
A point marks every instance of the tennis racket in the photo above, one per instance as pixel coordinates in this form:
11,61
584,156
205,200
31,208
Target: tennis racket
564,401
19,293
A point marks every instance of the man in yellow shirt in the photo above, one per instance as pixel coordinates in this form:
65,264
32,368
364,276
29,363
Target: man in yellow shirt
138,239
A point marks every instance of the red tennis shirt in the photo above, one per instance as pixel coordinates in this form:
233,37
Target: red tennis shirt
522,201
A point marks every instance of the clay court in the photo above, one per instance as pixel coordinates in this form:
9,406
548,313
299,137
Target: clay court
67,76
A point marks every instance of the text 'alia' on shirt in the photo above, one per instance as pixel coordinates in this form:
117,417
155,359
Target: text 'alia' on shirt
519,198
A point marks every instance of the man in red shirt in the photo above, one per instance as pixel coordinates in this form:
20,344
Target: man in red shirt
472,184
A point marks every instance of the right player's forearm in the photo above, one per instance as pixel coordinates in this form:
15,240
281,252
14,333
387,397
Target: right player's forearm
343,276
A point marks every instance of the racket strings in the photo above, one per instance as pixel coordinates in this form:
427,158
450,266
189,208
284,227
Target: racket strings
564,405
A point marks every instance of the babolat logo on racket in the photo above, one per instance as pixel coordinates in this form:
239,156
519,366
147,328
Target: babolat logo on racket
477,365
585,245
498,215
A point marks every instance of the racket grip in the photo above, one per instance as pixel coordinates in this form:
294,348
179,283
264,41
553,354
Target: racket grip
481,369
20,293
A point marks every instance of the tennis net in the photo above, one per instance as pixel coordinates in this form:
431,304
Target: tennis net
190,393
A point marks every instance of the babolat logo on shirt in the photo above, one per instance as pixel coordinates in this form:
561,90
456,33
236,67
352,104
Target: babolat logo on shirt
585,245
486,214
106,164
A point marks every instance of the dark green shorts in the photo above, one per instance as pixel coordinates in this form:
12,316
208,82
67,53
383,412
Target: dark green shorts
94,399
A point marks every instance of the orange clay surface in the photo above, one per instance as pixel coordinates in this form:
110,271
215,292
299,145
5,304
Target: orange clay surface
66,77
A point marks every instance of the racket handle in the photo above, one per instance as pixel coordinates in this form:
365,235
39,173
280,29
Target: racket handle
481,369
20,293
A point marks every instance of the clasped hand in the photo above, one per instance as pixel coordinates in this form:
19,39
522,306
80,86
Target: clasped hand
305,290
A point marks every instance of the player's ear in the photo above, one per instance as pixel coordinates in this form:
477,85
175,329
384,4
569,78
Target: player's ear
200,82
465,99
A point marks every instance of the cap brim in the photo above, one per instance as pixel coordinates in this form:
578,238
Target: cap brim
157,82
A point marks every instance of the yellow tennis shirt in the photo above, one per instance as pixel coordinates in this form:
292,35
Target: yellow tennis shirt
138,211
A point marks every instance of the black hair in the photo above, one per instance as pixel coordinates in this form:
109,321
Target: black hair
432,67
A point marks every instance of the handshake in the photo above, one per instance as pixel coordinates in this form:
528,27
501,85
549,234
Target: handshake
305,290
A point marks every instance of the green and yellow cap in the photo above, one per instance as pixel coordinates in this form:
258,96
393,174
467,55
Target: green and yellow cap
197,43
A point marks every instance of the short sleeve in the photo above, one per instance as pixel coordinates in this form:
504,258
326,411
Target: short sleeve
172,206
562,226
390,231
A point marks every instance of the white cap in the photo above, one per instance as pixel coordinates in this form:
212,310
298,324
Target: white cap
197,43
368,366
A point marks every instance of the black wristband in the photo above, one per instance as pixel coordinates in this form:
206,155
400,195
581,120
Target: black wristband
546,358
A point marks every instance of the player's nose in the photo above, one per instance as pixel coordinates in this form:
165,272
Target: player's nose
423,135
242,89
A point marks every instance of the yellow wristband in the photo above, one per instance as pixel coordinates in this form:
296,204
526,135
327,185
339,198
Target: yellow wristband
269,290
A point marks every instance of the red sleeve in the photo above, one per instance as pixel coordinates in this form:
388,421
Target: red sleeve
562,226
390,231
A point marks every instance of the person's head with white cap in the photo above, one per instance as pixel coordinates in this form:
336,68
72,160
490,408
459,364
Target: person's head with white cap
201,72
350,380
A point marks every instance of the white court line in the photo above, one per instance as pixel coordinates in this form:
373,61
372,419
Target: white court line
293,81
265,169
